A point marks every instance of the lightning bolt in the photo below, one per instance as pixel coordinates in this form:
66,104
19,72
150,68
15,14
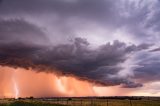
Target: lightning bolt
16,91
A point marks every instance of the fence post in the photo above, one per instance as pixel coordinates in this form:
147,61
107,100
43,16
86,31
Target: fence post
81,102
91,102
130,102
67,101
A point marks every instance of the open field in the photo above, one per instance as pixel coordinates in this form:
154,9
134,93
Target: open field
84,101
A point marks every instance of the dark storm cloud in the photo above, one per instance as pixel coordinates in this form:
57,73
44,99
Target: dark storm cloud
98,64
150,65
18,41
76,58
103,11
155,50
0,1
63,19
149,72
17,54
139,18
86,8
18,30
130,84
24,44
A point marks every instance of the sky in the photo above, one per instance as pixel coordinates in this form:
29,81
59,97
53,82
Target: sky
63,47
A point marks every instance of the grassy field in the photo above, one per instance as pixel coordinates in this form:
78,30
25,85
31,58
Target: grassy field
81,102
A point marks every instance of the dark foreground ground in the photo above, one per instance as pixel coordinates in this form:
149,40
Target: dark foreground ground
83,101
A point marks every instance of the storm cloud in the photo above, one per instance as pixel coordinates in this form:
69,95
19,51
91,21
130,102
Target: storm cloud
72,59
108,42
76,58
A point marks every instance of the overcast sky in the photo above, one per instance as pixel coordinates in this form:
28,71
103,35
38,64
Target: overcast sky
111,42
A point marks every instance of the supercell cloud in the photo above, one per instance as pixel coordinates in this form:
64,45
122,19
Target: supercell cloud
106,42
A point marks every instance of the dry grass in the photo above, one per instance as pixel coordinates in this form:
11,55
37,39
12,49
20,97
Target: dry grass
79,102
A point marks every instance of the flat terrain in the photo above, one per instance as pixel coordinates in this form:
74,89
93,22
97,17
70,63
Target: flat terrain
85,101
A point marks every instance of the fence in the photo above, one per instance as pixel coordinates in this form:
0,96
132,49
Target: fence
102,102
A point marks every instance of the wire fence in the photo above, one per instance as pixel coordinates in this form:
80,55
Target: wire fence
103,102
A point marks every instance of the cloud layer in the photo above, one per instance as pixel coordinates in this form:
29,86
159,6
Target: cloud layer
106,42
76,58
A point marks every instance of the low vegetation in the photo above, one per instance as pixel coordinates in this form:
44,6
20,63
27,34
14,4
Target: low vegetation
114,101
